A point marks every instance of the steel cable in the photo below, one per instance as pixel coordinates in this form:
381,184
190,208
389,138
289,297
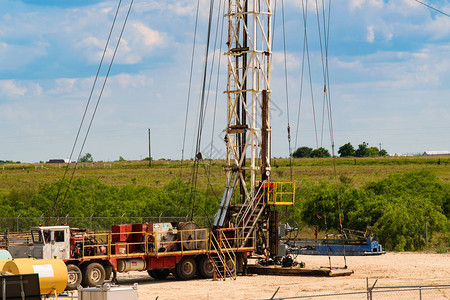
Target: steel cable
96,106
85,109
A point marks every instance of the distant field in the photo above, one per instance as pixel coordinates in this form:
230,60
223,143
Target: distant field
357,172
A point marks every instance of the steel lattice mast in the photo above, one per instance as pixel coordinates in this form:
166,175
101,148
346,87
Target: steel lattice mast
248,93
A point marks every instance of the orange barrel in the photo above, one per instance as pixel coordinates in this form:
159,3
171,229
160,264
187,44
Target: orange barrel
52,273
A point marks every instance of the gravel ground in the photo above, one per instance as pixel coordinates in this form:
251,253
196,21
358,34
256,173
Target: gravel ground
391,269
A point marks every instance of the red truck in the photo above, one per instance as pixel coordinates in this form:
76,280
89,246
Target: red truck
183,249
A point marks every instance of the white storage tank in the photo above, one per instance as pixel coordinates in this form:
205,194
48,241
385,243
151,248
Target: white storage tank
108,292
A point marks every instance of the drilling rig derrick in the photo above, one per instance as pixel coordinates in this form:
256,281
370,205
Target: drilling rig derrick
246,203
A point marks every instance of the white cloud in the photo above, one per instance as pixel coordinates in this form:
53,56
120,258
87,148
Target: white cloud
356,4
137,44
292,61
182,9
9,88
423,68
131,81
150,37
389,36
439,27
354,65
63,85
370,37
376,3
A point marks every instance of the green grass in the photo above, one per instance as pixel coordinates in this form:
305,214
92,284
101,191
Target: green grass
355,172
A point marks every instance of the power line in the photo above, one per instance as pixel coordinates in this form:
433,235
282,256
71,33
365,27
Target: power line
86,108
95,109
433,8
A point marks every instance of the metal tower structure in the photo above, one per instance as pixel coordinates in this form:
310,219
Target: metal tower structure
249,200
248,93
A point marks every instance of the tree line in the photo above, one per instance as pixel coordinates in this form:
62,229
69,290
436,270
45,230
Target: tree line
399,208
346,150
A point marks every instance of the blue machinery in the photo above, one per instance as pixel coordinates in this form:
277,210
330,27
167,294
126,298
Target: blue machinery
334,246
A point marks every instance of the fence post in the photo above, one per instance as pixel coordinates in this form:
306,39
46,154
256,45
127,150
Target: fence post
17,223
426,234
369,289
420,292
40,220
90,222
121,218
67,219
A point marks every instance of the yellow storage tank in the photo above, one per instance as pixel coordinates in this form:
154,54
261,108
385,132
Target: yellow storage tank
52,272
3,262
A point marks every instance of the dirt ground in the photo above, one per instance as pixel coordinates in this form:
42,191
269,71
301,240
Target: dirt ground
391,269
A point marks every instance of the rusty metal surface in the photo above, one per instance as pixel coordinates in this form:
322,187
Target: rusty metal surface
296,271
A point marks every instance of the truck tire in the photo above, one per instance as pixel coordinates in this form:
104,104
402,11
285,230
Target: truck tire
231,266
74,277
185,269
94,274
240,261
205,268
159,274
108,272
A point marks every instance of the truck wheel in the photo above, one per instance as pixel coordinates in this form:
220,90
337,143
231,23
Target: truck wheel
231,266
94,274
205,267
74,278
108,272
240,261
185,269
159,273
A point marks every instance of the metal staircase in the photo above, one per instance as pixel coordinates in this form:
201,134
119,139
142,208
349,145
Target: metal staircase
249,214
221,257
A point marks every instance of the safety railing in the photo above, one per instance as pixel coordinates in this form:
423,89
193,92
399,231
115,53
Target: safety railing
249,207
280,193
140,243
224,258
237,239
15,239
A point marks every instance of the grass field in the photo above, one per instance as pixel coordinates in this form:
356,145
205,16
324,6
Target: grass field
20,182
356,172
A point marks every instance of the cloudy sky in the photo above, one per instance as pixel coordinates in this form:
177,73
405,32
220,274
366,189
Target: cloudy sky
389,65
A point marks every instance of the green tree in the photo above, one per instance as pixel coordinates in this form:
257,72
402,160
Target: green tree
302,152
383,152
362,149
397,208
87,158
320,152
346,150
372,152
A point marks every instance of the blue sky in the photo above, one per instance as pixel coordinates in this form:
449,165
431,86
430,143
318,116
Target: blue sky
389,72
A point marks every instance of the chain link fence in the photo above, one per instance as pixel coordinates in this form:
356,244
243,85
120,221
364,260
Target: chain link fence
425,292
93,223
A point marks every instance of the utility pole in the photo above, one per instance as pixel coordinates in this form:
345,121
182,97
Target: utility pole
149,150
380,146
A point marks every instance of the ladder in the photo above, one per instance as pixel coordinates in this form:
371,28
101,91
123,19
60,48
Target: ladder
221,257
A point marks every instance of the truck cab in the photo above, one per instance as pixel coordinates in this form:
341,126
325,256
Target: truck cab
47,242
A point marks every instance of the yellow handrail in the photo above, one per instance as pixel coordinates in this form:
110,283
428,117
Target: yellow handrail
280,193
